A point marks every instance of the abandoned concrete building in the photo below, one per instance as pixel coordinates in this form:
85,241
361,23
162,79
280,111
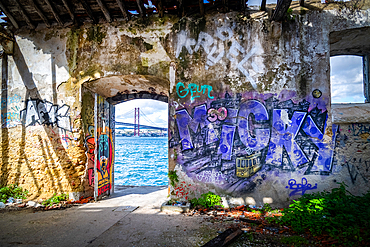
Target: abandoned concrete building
248,90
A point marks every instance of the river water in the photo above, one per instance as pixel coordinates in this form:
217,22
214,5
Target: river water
141,161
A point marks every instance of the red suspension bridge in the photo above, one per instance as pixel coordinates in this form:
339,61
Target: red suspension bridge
136,126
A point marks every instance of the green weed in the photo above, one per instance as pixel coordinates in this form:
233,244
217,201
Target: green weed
338,213
267,208
207,200
294,240
172,175
14,191
55,199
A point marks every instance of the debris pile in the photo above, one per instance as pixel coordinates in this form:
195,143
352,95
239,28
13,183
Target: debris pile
18,204
244,219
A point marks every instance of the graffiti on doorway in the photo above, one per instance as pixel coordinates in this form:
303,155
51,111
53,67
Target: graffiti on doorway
90,151
105,145
104,160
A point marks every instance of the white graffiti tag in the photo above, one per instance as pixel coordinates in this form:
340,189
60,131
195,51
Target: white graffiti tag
211,177
39,112
215,50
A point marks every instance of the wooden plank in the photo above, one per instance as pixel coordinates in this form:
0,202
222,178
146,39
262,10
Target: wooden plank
69,10
180,8
142,10
24,15
224,238
201,7
160,8
226,4
9,15
122,6
105,11
88,11
280,10
249,220
243,3
41,14
56,15
263,5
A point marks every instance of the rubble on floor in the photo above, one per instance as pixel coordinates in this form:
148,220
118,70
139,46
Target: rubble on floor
13,205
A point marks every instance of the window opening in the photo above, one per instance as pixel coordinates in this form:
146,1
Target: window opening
347,82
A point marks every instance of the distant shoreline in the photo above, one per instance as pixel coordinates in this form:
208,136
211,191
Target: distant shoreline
141,136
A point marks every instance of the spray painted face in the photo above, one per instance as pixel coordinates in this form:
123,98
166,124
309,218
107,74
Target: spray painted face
103,163
103,152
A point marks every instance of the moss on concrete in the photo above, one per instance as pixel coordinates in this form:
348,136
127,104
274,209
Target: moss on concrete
95,34
73,37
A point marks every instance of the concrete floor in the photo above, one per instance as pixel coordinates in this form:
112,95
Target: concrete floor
130,217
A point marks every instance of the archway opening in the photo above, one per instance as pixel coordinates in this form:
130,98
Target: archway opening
141,143
116,90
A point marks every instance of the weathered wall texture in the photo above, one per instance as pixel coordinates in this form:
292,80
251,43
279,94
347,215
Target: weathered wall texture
47,134
250,115
250,111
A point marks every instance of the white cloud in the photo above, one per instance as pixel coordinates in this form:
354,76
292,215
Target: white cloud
258,2
150,110
346,79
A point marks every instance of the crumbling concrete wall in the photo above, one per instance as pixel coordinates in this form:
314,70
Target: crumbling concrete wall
250,113
47,132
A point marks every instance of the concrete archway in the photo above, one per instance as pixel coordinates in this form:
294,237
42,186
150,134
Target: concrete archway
117,89
112,90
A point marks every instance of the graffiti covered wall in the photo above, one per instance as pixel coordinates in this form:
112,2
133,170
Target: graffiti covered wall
250,112
249,104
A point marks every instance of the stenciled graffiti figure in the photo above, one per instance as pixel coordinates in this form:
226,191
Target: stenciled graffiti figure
104,162
103,155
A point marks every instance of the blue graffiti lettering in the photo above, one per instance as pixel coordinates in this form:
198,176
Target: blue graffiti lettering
299,188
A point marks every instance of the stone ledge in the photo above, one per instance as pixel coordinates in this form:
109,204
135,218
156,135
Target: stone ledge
175,208
350,113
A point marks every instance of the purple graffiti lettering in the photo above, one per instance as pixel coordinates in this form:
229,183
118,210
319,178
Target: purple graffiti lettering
226,142
299,188
259,111
184,121
284,137
325,149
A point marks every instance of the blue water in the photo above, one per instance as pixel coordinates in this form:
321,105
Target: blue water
141,161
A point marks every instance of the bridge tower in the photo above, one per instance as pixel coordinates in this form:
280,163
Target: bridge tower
138,122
